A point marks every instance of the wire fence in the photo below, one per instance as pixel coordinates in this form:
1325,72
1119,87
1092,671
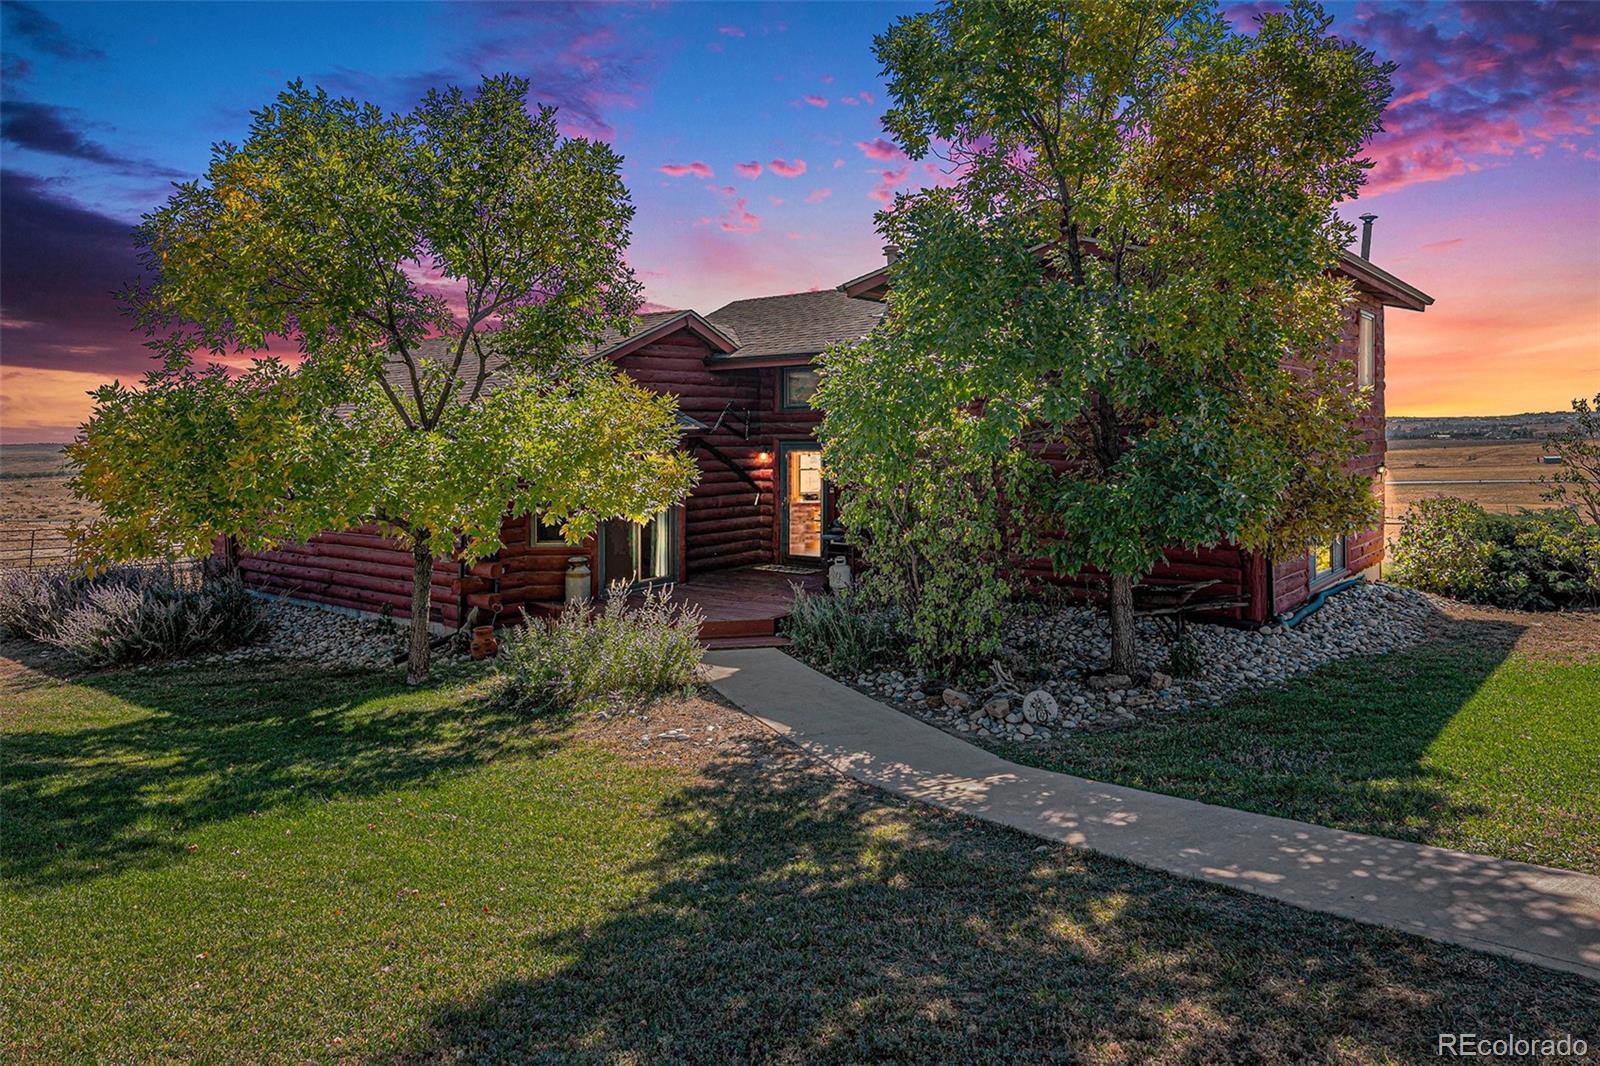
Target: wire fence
27,547
38,547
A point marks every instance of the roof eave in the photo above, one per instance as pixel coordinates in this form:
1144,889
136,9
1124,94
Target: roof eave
667,326
736,361
1390,289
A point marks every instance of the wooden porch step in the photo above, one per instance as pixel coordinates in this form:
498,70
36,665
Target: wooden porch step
729,643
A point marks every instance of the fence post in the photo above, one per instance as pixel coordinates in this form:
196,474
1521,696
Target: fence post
33,537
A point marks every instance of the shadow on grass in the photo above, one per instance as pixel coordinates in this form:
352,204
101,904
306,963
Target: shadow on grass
189,747
1345,746
797,922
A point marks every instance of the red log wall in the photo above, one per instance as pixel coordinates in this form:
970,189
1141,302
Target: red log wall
724,523
1291,585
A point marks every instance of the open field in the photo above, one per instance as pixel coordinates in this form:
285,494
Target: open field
254,864
1465,460
33,488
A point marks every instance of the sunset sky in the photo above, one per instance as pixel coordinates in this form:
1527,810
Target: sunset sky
756,161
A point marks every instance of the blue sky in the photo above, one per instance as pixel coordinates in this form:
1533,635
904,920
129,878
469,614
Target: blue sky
756,160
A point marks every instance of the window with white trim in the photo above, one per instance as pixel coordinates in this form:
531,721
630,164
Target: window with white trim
1366,351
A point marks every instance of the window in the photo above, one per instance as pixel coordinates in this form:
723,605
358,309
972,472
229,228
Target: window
543,534
799,382
1327,560
637,554
1366,355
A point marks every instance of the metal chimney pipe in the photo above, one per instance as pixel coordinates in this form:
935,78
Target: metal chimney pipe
1366,235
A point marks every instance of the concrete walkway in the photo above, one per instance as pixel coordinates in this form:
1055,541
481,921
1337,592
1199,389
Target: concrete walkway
1533,913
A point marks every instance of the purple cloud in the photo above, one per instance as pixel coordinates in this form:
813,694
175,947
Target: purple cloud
61,265
751,169
50,129
26,23
789,169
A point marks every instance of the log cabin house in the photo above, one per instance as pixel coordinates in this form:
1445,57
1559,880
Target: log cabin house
762,515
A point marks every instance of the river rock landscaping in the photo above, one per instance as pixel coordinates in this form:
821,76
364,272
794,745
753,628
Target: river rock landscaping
1046,678
306,633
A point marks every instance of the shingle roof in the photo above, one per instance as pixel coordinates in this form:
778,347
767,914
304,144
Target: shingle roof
799,323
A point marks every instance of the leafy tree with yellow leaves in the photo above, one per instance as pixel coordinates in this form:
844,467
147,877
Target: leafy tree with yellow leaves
443,274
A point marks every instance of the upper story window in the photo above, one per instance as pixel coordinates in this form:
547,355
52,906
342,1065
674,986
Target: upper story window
1366,351
798,385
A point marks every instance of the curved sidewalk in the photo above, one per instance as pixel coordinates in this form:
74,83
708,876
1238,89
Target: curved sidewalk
1532,913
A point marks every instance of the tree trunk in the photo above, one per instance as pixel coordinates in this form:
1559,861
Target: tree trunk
421,583
1120,605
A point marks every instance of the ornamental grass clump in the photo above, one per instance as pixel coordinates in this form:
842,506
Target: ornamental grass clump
844,632
131,614
620,652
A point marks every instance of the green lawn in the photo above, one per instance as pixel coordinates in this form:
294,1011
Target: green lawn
1453,744
256,864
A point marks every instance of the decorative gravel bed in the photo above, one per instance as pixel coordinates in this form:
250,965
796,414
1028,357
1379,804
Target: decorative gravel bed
1044,680
306,633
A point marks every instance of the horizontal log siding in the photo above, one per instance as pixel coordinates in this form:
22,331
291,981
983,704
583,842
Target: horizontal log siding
360,569
1291,585
726,523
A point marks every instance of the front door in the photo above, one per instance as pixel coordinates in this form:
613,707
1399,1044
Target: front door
804,502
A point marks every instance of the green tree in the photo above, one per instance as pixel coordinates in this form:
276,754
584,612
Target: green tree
1131,278
1577,485
443,274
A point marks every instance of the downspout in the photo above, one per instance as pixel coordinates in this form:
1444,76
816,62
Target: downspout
1305,610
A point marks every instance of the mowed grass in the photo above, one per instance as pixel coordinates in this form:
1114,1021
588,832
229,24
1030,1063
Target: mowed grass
263,865
1454,743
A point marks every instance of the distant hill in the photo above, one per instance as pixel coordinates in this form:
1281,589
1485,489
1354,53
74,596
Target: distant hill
32,460
1535,426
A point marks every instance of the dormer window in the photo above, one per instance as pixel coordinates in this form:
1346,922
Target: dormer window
1366,351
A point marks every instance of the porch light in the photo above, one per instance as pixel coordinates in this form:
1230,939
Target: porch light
763,457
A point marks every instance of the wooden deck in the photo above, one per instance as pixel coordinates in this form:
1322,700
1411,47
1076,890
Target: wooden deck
741,607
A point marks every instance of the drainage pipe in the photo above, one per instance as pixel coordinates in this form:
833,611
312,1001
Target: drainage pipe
1289,621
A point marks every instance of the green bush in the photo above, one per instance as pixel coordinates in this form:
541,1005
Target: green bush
843,631
1543,561
1532,561
616,652
131,613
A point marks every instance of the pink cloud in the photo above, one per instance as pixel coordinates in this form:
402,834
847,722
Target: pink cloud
826,79
796,235
837,163
814,100
883,192
739,219
849,101
880,149
775,200
1479,85
678,170
748,170
867,98
788,170
816,196
730,31
1444,246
